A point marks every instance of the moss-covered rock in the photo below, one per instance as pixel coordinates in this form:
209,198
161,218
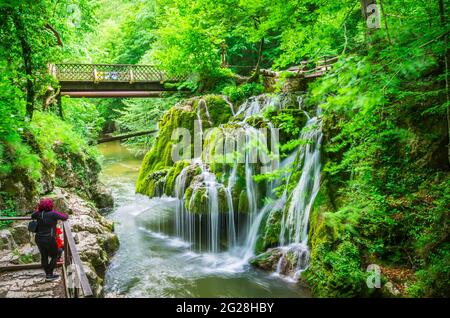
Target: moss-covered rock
160,156
243,202
219,110
197,197
270,231
153,184
182,115
173,173
267,260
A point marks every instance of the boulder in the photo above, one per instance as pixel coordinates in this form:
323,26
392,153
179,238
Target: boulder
20,233
103,197
268,260
6,240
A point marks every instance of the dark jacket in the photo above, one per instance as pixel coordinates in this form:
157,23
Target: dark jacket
47,221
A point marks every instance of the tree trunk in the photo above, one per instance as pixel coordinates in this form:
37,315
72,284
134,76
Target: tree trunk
369,13
443,21
60,108
255,76
385,22
27,61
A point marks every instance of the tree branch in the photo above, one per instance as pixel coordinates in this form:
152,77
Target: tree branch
58,38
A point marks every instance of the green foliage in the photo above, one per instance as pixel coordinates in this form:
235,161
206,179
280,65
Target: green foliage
336,272
143,114
7,213
23,258
48,129
242,92
84,117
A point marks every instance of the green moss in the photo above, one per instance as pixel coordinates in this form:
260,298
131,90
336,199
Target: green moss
243,202
172,174
160,156
154,183
219,110
271,234
336,272
196,201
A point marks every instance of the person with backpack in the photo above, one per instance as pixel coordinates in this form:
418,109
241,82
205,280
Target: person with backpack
46,235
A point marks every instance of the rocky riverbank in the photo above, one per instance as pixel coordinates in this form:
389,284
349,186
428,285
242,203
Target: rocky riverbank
66,169
93,235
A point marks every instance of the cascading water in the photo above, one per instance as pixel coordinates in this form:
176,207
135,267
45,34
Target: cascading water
223,228
294,223
151,263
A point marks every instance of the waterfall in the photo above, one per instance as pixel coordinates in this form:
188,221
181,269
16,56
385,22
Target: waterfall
180,187
223,228
294,223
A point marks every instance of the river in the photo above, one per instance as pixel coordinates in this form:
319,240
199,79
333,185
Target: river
153,264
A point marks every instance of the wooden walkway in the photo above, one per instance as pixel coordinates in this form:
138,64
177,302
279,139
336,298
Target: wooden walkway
112,80
128,80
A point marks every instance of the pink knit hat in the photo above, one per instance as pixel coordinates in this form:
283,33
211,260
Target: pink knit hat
45,205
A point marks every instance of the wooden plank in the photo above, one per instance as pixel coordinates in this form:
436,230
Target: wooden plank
16,218
19,267
85,286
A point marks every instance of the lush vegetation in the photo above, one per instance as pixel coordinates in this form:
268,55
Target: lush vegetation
385,195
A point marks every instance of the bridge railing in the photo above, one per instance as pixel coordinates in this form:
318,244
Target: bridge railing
305,68
125,73
74,277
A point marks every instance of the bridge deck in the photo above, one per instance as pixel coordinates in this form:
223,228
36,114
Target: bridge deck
127,80
112,80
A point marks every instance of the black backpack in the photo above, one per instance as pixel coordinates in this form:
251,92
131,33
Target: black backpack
33,225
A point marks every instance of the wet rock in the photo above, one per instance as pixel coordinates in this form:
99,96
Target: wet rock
268,260
20,233
287,260
103,197
6,240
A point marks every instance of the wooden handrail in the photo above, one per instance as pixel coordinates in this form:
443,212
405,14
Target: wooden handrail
124,73
323,64
15,218
72,259
72,263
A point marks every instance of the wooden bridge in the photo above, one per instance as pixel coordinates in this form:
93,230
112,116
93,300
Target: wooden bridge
74,282
112,80
128,80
